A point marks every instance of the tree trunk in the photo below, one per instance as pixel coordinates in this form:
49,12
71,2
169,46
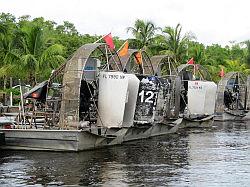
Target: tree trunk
4,82
32,79
11,82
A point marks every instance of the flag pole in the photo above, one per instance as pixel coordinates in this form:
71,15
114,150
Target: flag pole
22,104
194,70
142,61
122,46
102,37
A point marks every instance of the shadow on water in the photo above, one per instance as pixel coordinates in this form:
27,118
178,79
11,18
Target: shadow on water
217,156
147,161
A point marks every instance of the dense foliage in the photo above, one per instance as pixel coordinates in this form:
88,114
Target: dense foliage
31,48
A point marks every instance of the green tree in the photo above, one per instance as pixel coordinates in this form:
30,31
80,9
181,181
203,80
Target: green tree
67,27
176,43
197,51
236,51
9,53
215,59
158,46
38,53
144,32
237,66
247,56
217,55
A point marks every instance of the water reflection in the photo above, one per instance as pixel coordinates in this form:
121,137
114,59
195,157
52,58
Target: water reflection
217,156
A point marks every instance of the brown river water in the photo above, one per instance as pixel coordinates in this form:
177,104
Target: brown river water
219,156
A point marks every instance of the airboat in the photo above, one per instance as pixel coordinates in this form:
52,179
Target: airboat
91,101
157,95
196,101
233,97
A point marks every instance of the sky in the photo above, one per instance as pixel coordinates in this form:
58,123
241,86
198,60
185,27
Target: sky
212,21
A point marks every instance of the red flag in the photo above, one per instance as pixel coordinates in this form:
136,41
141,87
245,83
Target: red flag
191,61
109,41
222,73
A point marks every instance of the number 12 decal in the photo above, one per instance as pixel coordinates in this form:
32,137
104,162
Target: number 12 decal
148,96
